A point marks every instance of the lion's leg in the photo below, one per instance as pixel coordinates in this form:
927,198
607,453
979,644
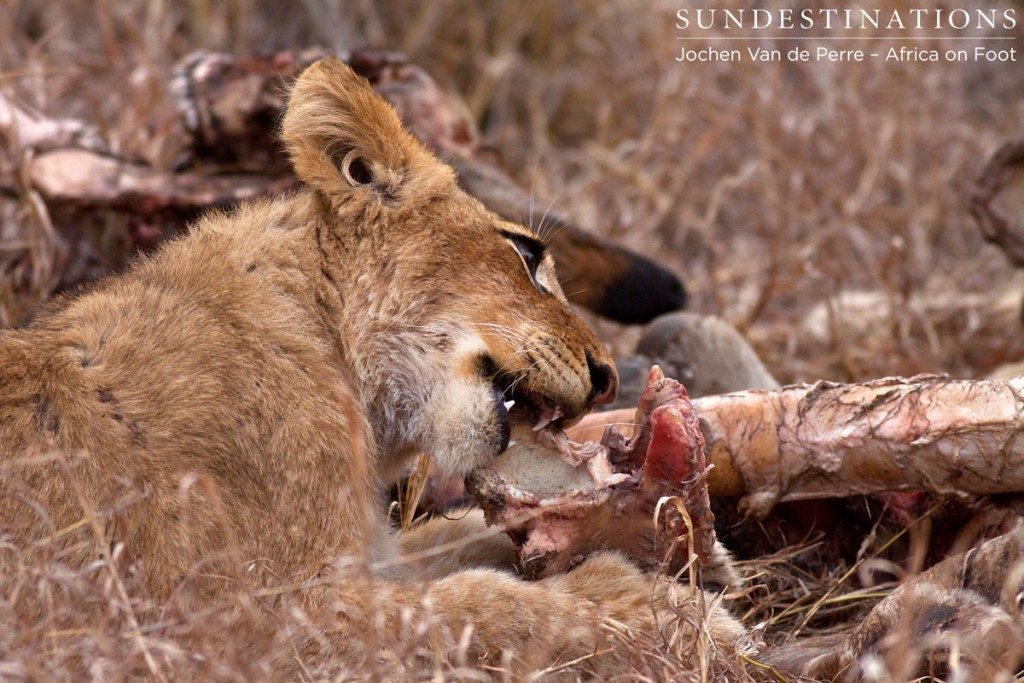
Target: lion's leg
461,540
496,619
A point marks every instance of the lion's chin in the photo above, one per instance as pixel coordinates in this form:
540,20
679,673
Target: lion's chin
466,430
471,423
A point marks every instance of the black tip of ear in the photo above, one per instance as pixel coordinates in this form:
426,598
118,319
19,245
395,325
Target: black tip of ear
642,293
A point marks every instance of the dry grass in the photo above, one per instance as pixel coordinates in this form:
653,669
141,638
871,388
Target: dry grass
769,187
772,189
60,623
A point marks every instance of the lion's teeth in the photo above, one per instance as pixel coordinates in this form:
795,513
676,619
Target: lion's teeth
509,404
541,423
511,443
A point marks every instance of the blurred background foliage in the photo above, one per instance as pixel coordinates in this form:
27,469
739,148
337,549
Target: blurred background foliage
821,208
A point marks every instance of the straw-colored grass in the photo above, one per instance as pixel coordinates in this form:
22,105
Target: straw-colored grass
775,190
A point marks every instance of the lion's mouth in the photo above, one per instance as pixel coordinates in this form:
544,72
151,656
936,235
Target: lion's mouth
518,409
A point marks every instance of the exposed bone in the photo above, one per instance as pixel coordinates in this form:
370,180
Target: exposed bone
94,180
563,500
825,440
27,129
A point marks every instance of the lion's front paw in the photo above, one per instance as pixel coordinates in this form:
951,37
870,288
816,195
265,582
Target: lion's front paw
646,604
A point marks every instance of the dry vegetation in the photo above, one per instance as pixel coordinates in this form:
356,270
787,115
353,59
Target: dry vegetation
773,189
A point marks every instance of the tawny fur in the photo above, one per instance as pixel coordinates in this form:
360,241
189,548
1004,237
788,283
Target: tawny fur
231,409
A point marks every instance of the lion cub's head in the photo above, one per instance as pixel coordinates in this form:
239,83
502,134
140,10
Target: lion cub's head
447,314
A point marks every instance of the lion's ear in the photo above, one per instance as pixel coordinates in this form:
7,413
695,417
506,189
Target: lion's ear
342,135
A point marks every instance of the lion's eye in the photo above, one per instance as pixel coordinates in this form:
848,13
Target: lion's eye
531,251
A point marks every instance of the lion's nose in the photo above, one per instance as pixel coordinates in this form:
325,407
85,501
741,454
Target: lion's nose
604,382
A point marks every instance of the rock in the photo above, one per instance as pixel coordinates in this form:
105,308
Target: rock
705,353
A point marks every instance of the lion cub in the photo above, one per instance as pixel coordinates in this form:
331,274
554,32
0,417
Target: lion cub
231,409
